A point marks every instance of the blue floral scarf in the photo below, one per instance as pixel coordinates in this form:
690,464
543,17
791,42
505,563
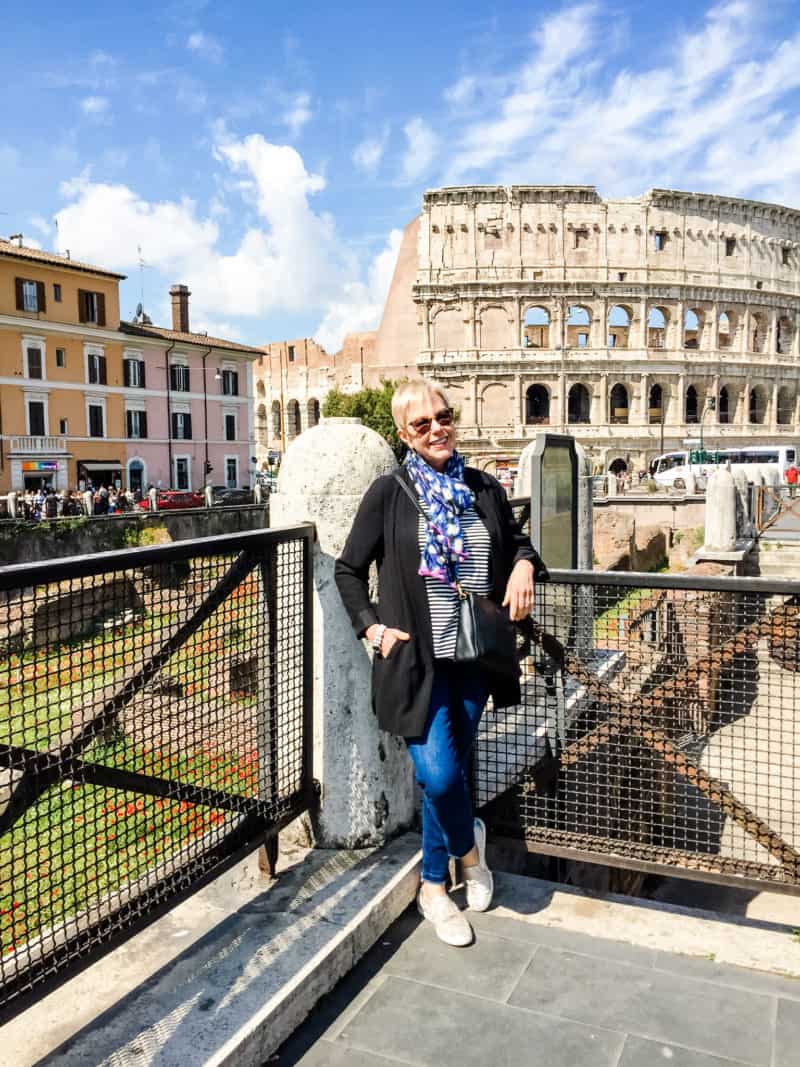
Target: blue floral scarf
444,496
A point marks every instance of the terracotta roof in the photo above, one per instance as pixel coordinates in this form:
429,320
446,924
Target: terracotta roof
203,339
38,255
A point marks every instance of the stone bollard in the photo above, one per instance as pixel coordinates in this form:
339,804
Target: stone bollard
366,775
152,496
720,527
208,494
11,503
258,494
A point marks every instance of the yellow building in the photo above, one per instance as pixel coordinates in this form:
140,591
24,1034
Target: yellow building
61,404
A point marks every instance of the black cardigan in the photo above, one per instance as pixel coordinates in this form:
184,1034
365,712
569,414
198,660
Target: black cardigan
385,531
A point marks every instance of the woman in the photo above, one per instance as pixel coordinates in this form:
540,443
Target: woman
418,692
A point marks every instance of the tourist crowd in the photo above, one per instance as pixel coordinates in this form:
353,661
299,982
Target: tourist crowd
34,505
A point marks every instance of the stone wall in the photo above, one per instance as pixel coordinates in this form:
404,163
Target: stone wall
27,542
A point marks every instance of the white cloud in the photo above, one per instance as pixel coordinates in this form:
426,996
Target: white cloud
462,91
293,260
368,154
298,113
203,44
421,147
95,106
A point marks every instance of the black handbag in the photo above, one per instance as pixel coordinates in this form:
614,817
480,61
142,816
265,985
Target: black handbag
486,634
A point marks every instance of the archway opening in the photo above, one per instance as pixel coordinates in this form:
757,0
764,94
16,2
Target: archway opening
293,418
692,328
618,466
312,412
261,424
619,326
618,404
692,405
785,406
724,406
276,419
136,476
537,406
725,330
579,404
579,321
536,328
657,328
758,332
757,405
261,391
655,405
785,335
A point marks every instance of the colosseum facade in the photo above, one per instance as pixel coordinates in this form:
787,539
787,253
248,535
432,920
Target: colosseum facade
625,322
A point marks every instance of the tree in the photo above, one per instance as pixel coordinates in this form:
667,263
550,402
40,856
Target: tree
372,406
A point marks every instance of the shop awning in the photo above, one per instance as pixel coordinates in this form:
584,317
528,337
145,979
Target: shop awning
107,465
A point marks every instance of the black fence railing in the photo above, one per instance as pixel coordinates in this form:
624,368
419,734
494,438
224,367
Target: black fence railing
155,709
665,739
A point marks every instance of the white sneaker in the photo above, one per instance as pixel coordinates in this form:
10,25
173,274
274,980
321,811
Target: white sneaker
478,879
449,923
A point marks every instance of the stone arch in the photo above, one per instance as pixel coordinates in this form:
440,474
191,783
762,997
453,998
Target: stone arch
276,418
785,413
726,328
655,404
657,323
261,389
579,404
618,403
447,327
726,405
261,424
618,465
758,331
785,336
494,405
620,317
691,405
693,322
293,427
579,324
312,412
757,405
536,327
494,329
537,405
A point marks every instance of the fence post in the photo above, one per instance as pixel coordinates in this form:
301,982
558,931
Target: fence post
366,775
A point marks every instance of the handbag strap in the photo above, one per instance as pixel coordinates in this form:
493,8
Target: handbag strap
412,496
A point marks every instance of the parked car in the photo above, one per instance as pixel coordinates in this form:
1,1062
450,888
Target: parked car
174,499
221,494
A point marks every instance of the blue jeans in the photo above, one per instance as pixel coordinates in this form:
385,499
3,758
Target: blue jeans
441,760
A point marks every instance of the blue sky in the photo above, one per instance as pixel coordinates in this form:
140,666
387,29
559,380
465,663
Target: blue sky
269,155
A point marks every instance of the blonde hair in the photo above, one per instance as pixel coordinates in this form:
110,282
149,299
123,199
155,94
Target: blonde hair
411,390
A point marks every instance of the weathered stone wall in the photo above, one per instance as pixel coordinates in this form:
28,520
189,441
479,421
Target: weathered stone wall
25,542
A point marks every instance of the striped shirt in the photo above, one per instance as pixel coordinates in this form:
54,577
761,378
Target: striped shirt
474,574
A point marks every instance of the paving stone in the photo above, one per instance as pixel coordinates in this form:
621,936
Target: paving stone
639,1052
787,1034
725,974
697,1014
337,1054
429,1027
490,967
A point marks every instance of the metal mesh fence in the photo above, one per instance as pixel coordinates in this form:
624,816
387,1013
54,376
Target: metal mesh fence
153,723
674,710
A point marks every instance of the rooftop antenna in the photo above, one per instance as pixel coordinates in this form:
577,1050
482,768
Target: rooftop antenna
141,276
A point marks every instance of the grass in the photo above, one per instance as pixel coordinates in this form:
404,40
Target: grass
79,842
607,623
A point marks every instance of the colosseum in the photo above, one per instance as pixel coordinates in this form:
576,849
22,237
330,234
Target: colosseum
629,323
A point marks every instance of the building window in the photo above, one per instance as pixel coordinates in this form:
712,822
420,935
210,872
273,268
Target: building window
231,471
583,340
730,246
136,424
35,362
785,256
181,425
63,426
56,292
30,295
230,383
61,357
291,353
230,427
136,475
36,426
581,237
181,472
133,373
612,340
179,378
660,238
91,307
96,365
622,275
96,420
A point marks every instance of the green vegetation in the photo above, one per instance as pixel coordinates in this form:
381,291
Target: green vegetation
372,406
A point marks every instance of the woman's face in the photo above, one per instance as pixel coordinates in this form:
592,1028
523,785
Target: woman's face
433,441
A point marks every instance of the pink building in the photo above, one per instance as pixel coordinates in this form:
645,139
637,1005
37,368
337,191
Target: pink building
188,399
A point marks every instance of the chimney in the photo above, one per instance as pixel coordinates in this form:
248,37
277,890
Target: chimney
180,308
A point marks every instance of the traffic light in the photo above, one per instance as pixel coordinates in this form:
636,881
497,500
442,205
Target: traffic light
209,467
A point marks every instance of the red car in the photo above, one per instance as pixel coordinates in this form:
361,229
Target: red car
174,499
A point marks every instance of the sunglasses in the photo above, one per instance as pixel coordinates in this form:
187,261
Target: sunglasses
423,426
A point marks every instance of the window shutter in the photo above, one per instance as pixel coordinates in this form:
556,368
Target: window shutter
20,294
187,427
82,317
126,373
41,301
141,373
175,424
102,362
186,379
143,424
101,309
129,423
235,378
